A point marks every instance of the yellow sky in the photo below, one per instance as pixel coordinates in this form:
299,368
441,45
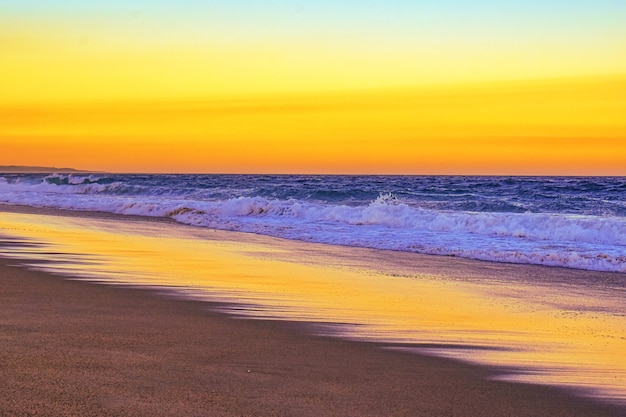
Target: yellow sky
324,87
567,126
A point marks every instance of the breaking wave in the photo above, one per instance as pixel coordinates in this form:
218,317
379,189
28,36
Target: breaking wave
384,222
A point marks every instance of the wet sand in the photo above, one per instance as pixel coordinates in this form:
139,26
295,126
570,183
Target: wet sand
75,348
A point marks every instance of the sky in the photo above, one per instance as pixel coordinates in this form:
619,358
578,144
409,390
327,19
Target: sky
392,87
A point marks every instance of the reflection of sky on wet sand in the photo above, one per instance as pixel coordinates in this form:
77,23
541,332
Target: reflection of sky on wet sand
545,325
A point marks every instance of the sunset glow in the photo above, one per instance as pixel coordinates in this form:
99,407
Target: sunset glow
315,87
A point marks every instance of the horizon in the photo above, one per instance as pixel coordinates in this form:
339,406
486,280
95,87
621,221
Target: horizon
70,171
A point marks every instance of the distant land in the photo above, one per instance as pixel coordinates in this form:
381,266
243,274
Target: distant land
36,170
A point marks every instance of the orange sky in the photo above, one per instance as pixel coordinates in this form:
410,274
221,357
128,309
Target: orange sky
389,86
569,126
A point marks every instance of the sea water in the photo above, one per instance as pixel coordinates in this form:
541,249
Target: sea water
558,326
573,222
529,323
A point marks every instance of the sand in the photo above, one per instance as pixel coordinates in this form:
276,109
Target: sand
76,348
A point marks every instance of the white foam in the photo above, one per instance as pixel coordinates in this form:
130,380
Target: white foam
575,241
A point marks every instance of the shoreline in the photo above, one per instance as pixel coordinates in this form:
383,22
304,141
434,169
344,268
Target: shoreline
300,331
588,240
438,260
71,347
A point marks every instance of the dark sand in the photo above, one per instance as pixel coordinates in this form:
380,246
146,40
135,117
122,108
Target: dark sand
70,348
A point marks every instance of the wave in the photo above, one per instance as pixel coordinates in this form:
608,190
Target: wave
386,222
583,242
69,184
74,179
387,211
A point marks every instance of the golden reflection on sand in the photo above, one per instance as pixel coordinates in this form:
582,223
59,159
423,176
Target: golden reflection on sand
547,325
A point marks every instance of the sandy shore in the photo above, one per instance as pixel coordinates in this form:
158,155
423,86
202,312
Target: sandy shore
74,348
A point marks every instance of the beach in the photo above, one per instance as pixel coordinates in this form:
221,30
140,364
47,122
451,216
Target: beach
329,208
70,347
74,348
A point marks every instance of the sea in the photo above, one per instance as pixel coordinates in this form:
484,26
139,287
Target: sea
556,318
572,222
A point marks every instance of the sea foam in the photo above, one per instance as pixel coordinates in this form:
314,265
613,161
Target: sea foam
585,241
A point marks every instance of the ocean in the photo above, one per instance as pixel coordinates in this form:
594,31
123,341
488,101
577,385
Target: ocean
572,222
353,258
